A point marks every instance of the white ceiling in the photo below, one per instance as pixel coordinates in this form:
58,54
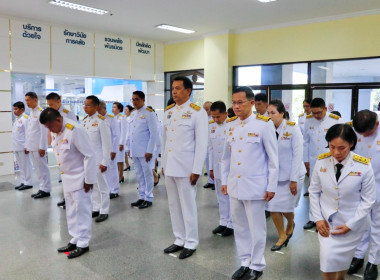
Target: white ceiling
138,18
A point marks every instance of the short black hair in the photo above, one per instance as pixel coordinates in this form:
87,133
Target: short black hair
317,103
19,105
129,107
31,94
308,101
230,112
218,105
95,101
279,105
343,131
336,113
187,84
140,94
261,97
53,96
48,115
286,115
170,101
364,120
248,92
119,106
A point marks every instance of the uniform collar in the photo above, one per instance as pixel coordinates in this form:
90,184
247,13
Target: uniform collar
141,109
184,105
345,161
282,124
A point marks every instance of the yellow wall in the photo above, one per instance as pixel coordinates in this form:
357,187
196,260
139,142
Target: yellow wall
184,56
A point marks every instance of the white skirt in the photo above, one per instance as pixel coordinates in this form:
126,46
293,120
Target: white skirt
284,201
120,156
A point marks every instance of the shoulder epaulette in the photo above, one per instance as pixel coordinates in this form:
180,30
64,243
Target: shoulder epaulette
69,126
300,115
170,106
262,118
361,159
349,123
325,155
334,116
148,109
26,116
210,122
309,116
101,117
231,119
85,117
39,108
122,115
111,116
65,111
195,106
290,123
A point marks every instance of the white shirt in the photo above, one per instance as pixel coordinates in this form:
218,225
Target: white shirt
67,114
115,132
216,139
20,126
36,134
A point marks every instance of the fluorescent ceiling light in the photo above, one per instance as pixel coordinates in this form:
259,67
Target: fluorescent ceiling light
78,7
266,1
173,28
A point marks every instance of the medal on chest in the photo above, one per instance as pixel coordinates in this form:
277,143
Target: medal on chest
186,115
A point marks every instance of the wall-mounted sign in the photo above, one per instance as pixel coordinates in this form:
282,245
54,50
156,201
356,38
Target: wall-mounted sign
75,37
143,47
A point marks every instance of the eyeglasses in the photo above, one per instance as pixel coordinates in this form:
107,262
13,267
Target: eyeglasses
238,103
317,113
135,99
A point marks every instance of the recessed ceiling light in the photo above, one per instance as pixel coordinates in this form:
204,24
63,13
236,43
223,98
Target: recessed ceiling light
174,28
266,1
78,7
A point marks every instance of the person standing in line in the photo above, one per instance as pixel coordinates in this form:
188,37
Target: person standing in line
20,126
249,175
157,149
117,109
210,184
184,148
216,139
99,133
36,146
302,117
127,111
77,163
112,174
261,104
342,193
314,142
140,144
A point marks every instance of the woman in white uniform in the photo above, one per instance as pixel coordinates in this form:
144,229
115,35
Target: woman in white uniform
291,173
127,111
342,193
117,109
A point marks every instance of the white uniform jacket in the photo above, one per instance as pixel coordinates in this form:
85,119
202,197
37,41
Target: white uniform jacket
216,139
75,157
67,114
20,126
36,135
250,158
115,132
352,196
143,132
121,121
99,132
301,122
184,140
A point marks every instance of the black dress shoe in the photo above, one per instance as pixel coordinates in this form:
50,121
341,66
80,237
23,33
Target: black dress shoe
355,265
70,247
227,232
145,204
370,272
209,186
240,272
309,225
158,180
306,194
78,252
137,203
41,194
267,214
113,195
186,253
95,214
60,181
253,275
219,229
279,247
101,218
61,203
25,187
172,249
19,186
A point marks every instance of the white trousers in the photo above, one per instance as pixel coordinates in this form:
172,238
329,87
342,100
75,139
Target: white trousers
373,235
183,211
312,164
100,194
224,205
210,181
112,176
144,175
79,217
42,170
250,231
25,168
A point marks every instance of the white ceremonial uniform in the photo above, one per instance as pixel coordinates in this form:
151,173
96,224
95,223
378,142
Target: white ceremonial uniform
184,148
314,142
250,168
301,122
216,140
77,162
36,138
20,126
157,149
291,168
67,114
142,139
346,202
370,147
210,180
112,173
120,120
99,132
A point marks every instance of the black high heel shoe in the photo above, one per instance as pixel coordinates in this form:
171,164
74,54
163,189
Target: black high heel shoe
279,247
127,169
121,181
290,235
156,183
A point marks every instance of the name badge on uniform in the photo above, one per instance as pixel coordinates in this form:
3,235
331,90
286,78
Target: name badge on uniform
95,124
169,115
186,115
252,134
354,173
142,117
65,141
285,138
323,169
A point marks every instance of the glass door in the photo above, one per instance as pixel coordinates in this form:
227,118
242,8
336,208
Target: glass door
292,99
369,98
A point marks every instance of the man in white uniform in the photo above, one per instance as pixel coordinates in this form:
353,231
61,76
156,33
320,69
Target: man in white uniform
36,146
184,148
76,160
314,142
19,129
99,132
216,139
249,175
142,139
302,117
261,104
210,184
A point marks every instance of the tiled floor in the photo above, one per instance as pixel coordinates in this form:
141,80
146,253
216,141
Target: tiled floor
129,245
